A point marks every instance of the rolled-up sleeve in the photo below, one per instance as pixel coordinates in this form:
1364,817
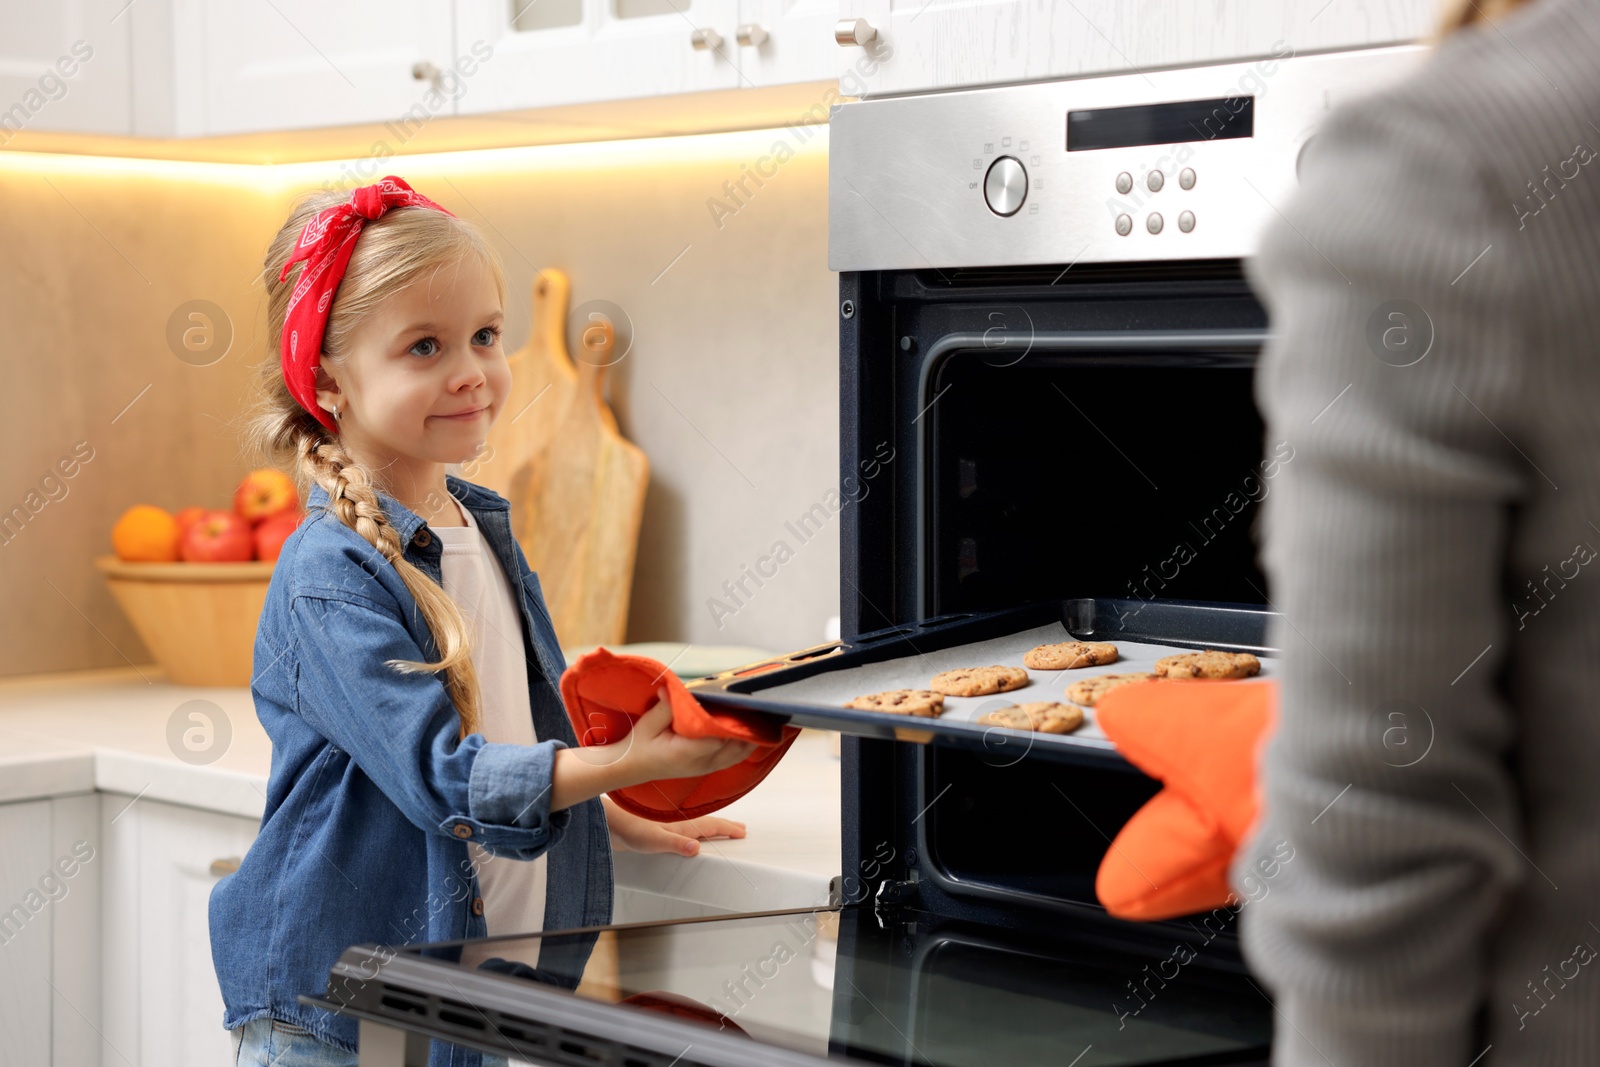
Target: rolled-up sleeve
402,731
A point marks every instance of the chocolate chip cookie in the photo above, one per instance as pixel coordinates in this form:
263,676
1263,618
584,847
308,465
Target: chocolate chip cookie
1042,716
978,681
1070,654
1208,664
1087,691
924,703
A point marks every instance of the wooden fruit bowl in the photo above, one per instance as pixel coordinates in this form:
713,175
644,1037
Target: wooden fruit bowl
197,619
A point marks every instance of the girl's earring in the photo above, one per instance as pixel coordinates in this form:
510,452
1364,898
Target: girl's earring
336,415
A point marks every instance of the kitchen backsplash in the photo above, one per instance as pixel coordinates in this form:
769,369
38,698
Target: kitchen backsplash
714,248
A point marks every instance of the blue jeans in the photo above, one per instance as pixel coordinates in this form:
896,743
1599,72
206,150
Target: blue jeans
270,1043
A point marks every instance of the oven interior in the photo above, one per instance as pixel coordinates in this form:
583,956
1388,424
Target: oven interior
1081,474
1003,829
1048,433
1055,432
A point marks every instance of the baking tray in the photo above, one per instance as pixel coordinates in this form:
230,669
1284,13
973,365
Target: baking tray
809,687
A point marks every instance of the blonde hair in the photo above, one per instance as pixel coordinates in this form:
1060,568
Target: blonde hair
1460,13
392,252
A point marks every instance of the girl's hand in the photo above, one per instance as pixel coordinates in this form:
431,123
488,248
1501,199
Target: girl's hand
651,751
655,751
630,833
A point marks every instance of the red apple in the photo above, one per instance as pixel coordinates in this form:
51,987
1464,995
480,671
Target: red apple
263,493
189,516
219,537
272,532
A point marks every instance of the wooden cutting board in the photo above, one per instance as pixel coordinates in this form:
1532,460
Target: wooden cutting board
576,486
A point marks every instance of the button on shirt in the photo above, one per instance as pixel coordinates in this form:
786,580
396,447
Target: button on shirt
513,891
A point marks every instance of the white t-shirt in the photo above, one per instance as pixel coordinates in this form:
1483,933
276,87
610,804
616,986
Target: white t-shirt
513,890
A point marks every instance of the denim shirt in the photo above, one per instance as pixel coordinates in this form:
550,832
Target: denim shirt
373,795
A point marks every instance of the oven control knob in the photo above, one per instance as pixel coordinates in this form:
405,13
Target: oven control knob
1006,186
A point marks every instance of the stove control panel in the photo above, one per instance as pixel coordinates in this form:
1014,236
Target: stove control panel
1173,164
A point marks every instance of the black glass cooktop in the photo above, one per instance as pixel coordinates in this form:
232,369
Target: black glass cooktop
841,984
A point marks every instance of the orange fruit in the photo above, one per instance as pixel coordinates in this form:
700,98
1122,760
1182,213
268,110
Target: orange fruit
147,534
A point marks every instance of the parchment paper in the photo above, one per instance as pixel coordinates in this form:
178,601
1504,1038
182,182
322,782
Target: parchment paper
838,687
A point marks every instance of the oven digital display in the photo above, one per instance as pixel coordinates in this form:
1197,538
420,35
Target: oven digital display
1151,124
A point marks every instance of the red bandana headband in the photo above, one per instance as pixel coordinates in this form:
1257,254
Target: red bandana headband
325,244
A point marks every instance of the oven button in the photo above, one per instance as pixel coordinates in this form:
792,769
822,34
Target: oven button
1186,221
1124,225
1155,181
1006,186
1186,177
1153,223
1124,183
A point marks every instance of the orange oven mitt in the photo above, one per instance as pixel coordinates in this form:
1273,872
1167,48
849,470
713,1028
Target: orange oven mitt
1199,739
605,693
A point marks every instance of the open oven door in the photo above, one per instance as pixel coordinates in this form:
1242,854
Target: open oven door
864,983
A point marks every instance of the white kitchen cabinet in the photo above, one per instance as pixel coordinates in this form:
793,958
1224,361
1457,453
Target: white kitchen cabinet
186,68
64,67
24,934
208,67
943,44
780,42
49,933
580,51
162,1002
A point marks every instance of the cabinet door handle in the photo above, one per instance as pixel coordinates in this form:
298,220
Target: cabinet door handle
854,32
751,33
225,865
424,71
706,39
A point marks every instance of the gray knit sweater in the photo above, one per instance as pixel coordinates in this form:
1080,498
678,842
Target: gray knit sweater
1435,297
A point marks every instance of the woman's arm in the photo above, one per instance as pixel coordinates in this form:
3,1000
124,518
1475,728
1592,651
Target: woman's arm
1395,375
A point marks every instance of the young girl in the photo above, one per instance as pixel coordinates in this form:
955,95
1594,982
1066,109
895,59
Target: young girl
426,784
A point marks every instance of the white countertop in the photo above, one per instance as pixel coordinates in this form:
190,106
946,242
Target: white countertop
108,730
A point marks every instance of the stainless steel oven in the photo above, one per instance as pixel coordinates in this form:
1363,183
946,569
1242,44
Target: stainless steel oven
1046,356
